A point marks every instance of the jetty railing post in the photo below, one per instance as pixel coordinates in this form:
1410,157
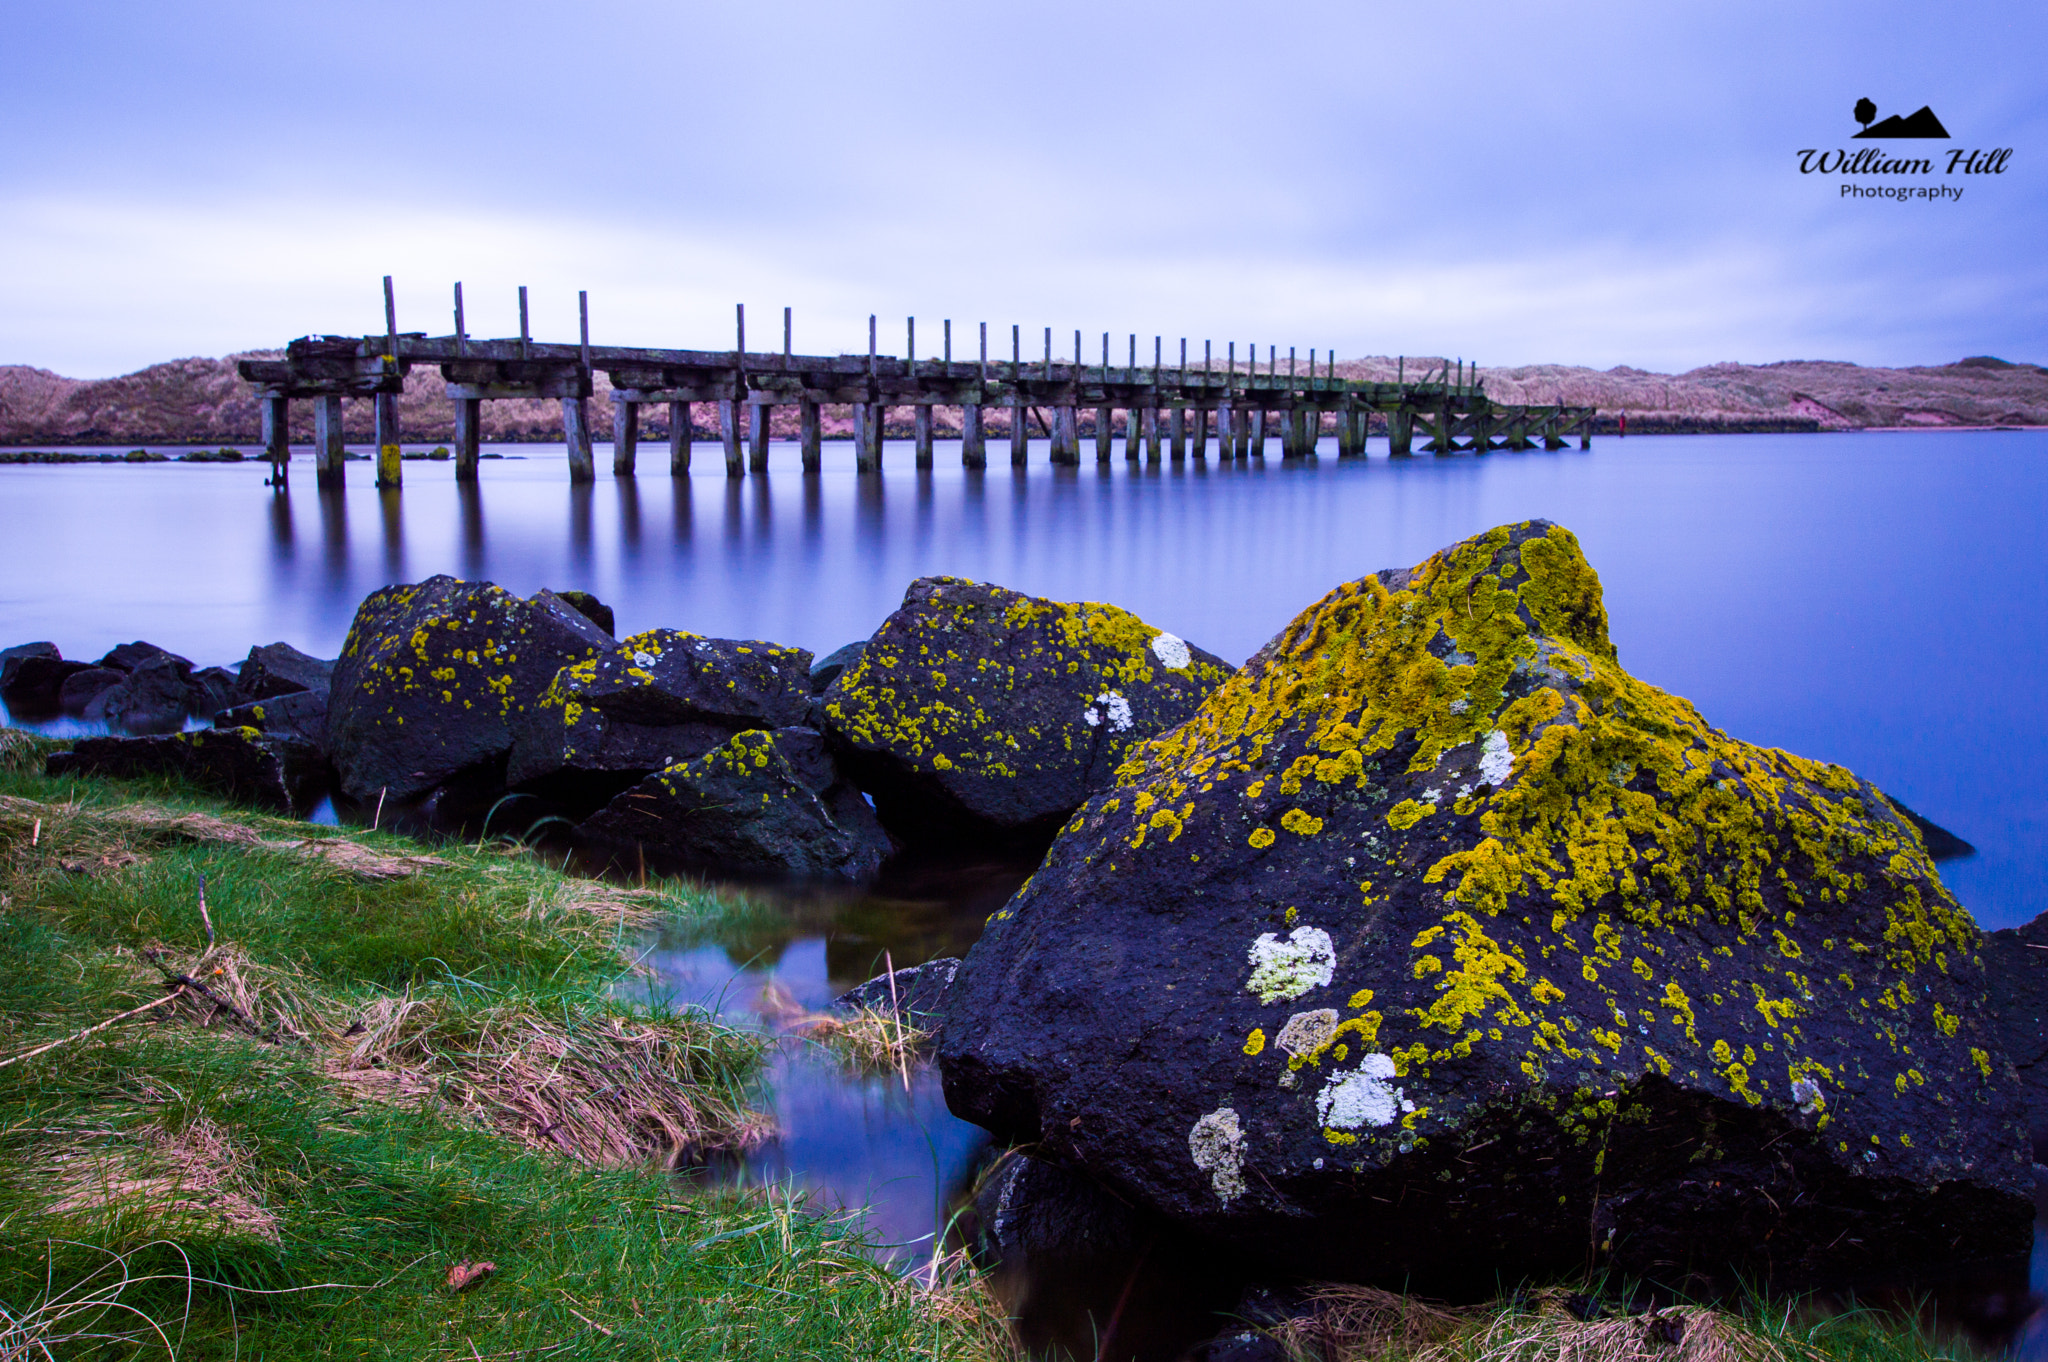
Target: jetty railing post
469,412
678,439
729,435
330,452
1020,432
1152,399
1104,418
867,416
625,436
760,411
390,471
576,407
277,440
921,410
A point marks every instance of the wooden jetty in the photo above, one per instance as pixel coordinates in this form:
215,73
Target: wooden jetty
1185,406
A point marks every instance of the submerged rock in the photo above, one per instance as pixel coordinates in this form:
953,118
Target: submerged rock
657,699
435,679
280,774
81,688
976,710
916,991
763,803
32,674
1431,876
280,669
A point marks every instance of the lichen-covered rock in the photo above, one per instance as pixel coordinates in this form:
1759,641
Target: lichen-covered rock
975,709
765,803
1437,943
918,992
300,714
657,699
435,678
280,669
2016,1000
592,609
276,773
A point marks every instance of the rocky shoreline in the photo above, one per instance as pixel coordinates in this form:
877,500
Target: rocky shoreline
1430,875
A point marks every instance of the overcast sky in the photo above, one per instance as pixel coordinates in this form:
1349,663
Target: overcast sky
1591,183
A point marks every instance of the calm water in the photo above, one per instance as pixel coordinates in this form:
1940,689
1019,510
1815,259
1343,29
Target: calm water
1872,599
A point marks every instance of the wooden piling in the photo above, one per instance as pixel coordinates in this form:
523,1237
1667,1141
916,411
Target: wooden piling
277,439
1177,432
1151,417
921,415
758,431
1066,440
329,451
1020,430
811,435
469,432
390,472
625,436
576,435
1104,433
678,439
973,437
1400,433
729,435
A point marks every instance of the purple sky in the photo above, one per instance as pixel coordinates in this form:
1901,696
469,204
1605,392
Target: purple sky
1601,183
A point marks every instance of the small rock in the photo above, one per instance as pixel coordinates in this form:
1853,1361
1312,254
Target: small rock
128,656
153,698
31,675
299,714
591,608
280,669
81,688
763,803
826,669
920,993
278,774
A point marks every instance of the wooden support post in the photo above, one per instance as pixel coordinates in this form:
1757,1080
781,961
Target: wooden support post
1226,429
576,435
729,434
469,437
678,439
1199,436
1586,431
973,437
1066,439
1348,444
922,416
390,472
812,435
1104,434
1020,430
867,436
758,423
1134,435
1400,432
1177,431
329,451
625,436
277,438
1151,430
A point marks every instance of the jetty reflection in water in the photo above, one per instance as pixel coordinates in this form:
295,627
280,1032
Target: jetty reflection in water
1870,599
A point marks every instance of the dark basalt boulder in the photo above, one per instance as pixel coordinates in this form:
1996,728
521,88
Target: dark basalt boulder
154,697
280,669
591,608
280,774
81,688
300,714
129,656
980,712
1433,875
32,674
827,669
435,678
2016,966
765,803
655,700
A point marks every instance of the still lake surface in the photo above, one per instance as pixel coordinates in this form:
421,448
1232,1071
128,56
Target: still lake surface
1873,599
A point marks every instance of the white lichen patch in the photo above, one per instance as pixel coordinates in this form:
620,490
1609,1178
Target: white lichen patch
1171,651
1216,1143
643,658
1362,1097
1808,1095
1111,708
1496,763
1307,1032
1284,970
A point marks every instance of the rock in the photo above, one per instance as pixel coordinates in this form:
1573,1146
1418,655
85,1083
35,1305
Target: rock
1432,875
210,689
31,675
1942,845
300,714
920,994
826,669
128,656
590,607
274,773
153,698
657,699
979,712
280,669
435,677
763,803
2016,1000
81,688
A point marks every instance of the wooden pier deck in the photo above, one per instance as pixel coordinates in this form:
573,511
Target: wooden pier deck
1174,407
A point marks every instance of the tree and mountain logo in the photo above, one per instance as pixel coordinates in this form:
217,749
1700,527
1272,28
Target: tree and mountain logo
1920,124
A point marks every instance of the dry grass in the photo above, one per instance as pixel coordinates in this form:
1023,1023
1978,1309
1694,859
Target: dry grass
867,1042
1363,1324
192,1180
953,1297
609,1089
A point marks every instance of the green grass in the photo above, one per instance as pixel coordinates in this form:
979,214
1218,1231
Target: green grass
434,1069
